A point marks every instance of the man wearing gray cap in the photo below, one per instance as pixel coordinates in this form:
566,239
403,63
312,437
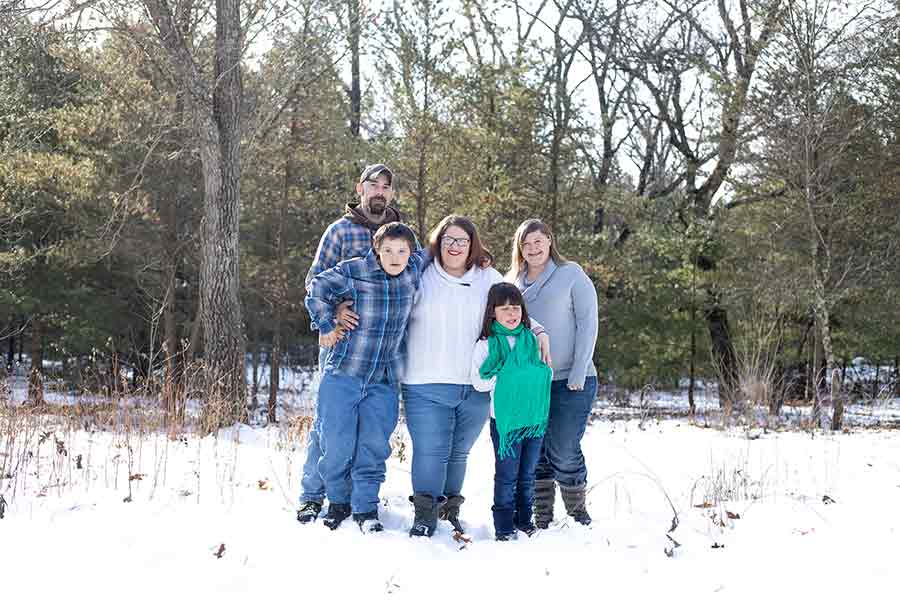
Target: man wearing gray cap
348,237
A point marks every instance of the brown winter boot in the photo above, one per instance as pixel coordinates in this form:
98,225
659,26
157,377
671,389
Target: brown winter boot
544,497
449,511
574,499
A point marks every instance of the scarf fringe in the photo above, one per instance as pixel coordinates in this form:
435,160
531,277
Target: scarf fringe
510,438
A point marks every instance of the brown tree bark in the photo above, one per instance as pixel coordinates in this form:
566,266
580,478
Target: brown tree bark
170,331
693,380
875,383
36,373
220,271
897,375
353,14
280,253
11,353
723,353
254,369
216,112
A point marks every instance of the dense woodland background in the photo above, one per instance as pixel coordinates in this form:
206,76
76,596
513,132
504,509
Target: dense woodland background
726,171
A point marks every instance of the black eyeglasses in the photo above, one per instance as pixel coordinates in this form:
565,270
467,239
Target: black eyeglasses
449,241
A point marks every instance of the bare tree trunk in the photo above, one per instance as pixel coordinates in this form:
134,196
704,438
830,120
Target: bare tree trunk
275,368
11,353
554,180
218,128
172,387
115,374
422,174
281,293
254,374
811,360
559,126
692,382
897,375
36,374
844,371
823,316
170,332
355,87
875,382
779,389
722,351
219,273
558,78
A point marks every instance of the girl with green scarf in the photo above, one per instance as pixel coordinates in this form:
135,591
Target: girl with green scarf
506,361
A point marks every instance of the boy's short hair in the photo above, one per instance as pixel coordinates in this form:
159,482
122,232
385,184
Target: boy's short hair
394,231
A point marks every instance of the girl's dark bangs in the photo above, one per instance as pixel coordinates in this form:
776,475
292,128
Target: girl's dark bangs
507,294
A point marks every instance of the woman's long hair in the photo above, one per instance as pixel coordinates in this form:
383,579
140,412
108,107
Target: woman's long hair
501,294
478,253
517,262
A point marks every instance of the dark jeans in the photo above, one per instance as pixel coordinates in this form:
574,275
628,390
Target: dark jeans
561,458
514,483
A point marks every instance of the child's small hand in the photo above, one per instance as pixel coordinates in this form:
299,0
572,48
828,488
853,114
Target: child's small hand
544,345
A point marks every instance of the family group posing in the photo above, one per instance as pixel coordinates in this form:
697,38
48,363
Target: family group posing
440,326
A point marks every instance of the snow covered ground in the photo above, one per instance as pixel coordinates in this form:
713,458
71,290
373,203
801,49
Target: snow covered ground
783,513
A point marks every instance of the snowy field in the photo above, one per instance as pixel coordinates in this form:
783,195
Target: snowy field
782,513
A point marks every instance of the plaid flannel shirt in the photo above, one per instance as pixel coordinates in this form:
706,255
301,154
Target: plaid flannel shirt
383,302
342,240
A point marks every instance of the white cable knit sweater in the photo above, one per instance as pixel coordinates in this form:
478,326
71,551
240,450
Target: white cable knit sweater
445,324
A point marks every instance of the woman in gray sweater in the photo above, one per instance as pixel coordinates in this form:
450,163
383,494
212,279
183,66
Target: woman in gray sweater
560,295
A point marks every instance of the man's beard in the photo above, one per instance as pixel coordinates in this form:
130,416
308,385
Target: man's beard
377,205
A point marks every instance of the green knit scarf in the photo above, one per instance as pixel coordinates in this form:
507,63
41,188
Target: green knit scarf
522,391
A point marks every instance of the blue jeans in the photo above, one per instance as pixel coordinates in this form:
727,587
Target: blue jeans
514,483
561,457
356,420
444,420
311,484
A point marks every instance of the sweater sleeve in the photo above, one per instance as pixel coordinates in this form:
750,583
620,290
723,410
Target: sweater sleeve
479,355
323,293
584,299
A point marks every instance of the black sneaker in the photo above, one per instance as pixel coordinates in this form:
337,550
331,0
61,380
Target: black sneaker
309,512
368,522
506,537
528,529
336,515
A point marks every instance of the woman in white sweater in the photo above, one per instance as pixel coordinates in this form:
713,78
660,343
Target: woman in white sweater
444,413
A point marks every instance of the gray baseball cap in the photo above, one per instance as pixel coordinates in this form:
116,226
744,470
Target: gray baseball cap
371,173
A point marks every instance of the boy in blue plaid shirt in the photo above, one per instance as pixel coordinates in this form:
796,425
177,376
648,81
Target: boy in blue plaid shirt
346,238
358,395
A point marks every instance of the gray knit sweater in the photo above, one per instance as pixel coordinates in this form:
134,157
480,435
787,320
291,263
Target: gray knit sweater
564,300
